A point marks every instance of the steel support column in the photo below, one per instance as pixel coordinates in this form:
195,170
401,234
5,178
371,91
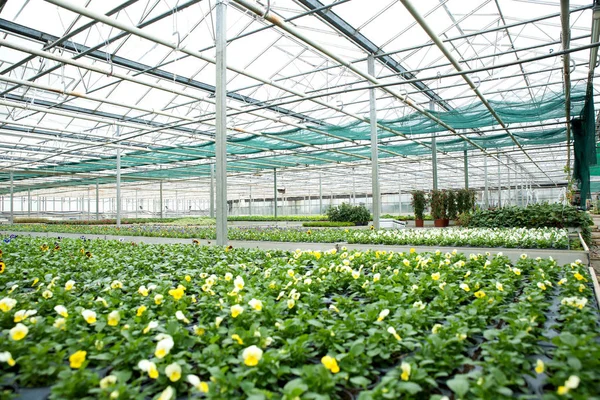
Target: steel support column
12,199
433,153
374,147
508,200
29,202
118,181
212,191
486,198
160,198
499,183
466,168
275,192
97,202
221,121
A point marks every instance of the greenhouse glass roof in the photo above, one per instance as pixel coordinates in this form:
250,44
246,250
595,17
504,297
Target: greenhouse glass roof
82,80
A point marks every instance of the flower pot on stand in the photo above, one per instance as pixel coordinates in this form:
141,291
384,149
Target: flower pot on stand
438,223
418,223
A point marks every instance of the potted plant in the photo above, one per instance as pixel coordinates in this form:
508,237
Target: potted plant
438,208
418,202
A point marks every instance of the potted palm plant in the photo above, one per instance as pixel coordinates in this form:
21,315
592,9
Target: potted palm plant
438,208
419,201
451,205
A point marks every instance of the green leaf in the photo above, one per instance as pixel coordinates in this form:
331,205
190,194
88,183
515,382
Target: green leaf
357,349
459,385
574,362
295,387
409,387
568,338
360,381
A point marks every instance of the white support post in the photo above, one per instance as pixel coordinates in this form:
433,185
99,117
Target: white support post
509,201
97,202
118,181
212,191
374,147
160,198
12,199
486,198
275,192
499,184
29,202
221,121
434,166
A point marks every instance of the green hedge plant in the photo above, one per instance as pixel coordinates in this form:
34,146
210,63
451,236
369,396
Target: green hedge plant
345,212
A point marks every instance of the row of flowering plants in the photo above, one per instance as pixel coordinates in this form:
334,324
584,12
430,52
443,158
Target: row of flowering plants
474,237
116,320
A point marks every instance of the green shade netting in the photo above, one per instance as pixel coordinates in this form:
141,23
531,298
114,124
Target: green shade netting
414,124
584,147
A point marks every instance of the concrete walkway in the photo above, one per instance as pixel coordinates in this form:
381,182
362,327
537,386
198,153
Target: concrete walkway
561,256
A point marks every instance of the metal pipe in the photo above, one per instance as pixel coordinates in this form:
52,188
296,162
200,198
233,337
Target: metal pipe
160,198
118,181
466,168
499,184
486,198
97,202
275,193
566,42
433,153
12,203
221,121
374,148
509,200
29,202
212,191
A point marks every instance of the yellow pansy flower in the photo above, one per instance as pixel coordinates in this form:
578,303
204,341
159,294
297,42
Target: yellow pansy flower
256,304
77,359
197,383
140,310
236,310
113,318
149,367
252,355
391,330
178,293
237,338
331,364
6,357
405,367
384,313
89,316
173,372
539,366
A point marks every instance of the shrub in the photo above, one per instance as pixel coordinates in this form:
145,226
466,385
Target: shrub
348,213
418,202
326,224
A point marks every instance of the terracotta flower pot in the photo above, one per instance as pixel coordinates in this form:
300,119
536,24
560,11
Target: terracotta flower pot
419,223
438,223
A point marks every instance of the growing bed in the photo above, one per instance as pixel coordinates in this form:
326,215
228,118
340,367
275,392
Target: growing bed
316,325
540,238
